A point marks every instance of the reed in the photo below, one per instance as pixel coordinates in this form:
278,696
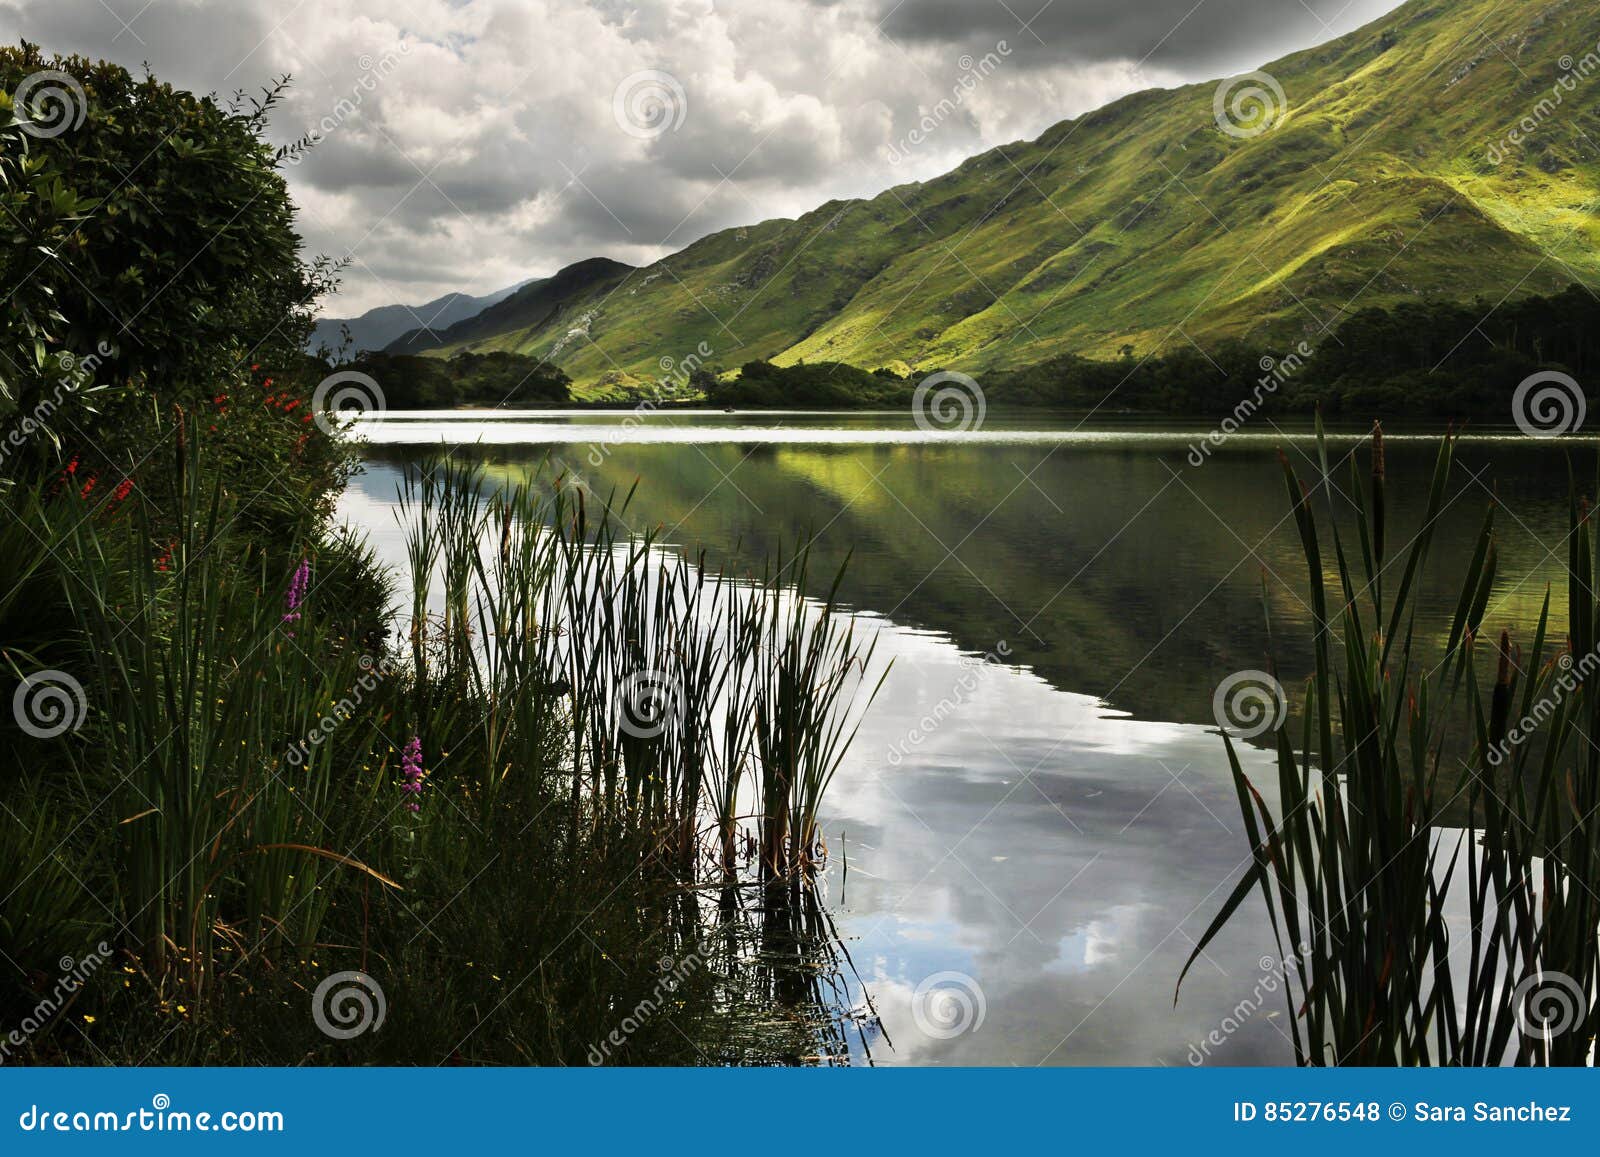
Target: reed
572,707
1367,840
195,667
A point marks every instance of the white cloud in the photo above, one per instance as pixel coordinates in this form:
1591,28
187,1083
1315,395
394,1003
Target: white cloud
471,144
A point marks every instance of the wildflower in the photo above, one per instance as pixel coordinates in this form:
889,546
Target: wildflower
297,591
411,770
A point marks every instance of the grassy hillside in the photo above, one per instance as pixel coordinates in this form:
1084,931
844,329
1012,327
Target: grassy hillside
1145,224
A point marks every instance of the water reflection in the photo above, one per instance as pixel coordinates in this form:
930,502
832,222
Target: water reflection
1058,825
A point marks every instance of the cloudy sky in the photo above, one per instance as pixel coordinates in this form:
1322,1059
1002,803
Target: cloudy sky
469,144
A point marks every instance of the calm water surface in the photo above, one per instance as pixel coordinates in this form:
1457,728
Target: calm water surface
1039,800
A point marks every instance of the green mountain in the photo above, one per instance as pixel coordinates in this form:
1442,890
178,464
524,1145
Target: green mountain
1386,173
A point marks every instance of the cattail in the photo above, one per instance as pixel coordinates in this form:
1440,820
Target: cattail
182,450
1377,496
1500,708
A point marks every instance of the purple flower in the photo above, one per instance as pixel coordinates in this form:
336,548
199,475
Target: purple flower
411,771
297,590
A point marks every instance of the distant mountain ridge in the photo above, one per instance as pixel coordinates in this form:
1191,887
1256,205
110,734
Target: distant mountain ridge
534,307
378,327
1399,166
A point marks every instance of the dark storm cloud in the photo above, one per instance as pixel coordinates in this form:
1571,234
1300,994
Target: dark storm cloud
1187,35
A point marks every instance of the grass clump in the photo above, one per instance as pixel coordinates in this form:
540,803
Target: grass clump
1416,782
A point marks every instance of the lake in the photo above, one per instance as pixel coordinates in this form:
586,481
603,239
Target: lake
1036,821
